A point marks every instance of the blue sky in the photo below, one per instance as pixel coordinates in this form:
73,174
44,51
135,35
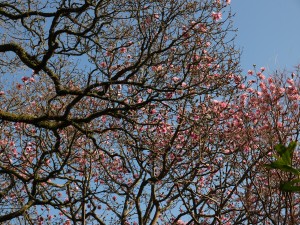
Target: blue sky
269,33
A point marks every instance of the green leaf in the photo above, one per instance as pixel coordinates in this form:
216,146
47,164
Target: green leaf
281,165
280,148
286,153
292,182
292,146
289,186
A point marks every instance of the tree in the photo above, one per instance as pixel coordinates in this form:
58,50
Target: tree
112,112
263,129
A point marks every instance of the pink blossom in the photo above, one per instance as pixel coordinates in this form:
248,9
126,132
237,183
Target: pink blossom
203,28
237,79
193,22
2,93
242,86
261,76
153,111
291,82
123,50
250,72
24,79
281,91
180,222
68,222
183,84
103,64
270,80
19,86
223,104
228,2
226,151
169,95
216,16
175,79
157,68
156,16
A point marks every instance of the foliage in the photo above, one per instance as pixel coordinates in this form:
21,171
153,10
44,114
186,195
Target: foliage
284,163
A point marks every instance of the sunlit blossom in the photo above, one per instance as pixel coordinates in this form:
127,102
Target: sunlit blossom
216,16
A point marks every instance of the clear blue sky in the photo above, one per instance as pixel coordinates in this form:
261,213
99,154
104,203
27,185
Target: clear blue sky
269,33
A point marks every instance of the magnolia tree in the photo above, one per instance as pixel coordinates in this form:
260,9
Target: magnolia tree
133,112
113,125
261,127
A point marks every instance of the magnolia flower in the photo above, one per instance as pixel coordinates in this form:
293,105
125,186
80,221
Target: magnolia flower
103,64
175,79
123,50
19,86
180,222
24,79
183,84
216,16
156,16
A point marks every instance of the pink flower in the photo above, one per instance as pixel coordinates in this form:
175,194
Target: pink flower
156,16
103,64
228,2
175,79
290,81
157,68
279,125
261,76
19,86
68,222
250,72
2,93
169,95
227,151
153,111
24,79
123,50
216,16
180,222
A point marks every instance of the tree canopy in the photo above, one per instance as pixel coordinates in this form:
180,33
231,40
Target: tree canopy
136,112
